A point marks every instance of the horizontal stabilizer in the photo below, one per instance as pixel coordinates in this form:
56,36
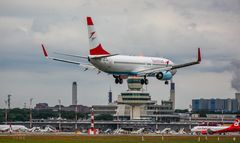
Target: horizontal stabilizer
83,65
44,51
70,55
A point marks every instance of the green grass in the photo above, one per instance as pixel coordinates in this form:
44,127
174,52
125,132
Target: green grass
114,139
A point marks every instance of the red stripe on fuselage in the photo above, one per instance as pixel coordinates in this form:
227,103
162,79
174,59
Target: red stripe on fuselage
98,51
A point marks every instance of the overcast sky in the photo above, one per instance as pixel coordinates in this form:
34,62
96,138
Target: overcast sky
169,28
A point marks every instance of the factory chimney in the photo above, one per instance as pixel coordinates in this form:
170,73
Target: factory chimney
110,96
172,94
74,93
9,101
237,96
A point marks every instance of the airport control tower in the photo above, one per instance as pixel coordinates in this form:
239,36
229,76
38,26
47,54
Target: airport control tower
136,97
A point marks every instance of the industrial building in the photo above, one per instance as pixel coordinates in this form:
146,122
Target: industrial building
74,107
78,108
217,105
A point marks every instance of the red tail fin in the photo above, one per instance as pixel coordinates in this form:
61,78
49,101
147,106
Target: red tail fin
98,51
95,46
236,123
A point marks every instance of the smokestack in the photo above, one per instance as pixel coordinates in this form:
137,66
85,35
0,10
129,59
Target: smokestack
235,83
237,96
74,93
30,114
9,101
172,94
110,96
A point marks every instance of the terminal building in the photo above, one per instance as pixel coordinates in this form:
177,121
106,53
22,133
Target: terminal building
217,105
78,108
136,104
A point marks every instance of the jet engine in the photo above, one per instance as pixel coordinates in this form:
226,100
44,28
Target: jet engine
165,75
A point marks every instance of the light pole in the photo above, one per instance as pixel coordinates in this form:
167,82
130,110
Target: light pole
156,111
9,101
190,117
6,112
222,116
76,118
59,114
30,113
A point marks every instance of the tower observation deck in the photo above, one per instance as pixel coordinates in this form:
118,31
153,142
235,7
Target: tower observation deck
136,97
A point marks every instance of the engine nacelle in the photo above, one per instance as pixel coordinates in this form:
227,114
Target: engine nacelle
165,75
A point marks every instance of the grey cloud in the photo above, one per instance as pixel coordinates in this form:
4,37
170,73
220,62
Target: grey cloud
172,29
41,25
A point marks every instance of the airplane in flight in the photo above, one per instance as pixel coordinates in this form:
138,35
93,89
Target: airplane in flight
235,127
122,66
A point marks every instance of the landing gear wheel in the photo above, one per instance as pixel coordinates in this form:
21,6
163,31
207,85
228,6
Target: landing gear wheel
166,82
120,80
142,81
146,81
116,80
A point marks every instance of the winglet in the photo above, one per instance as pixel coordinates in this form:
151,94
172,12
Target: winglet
44,51
199,55
89,21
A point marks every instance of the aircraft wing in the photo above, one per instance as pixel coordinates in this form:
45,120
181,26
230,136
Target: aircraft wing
190,63
86,66
155,70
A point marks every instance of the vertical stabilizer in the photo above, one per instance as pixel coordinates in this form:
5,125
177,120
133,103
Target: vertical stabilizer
95,46
236,123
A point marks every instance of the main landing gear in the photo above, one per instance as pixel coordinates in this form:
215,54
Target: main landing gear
144,81
118,79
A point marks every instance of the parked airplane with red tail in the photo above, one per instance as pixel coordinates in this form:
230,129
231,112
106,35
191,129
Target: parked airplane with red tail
235,127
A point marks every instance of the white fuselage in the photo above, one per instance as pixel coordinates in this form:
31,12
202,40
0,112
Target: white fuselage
13,128
205,128
129,65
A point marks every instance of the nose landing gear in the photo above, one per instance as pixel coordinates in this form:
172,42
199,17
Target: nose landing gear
166,82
